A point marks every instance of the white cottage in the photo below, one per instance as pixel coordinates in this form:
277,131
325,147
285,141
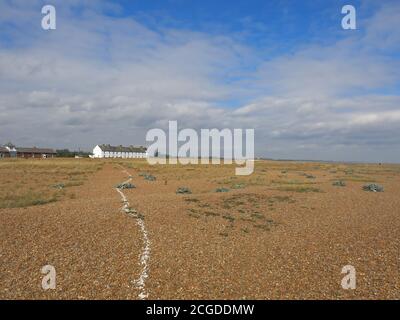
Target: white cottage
8,151
107,151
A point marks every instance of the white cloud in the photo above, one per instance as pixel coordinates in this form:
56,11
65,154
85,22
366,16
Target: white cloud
103,79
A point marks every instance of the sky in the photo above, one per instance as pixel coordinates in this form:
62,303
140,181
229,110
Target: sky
112,70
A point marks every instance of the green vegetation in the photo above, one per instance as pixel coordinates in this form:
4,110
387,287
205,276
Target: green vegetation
339,183
183,190
26,200
299,189
274,199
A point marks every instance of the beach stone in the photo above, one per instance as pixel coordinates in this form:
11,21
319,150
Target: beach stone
183,190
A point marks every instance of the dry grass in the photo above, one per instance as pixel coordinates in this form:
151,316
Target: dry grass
31,182
299,189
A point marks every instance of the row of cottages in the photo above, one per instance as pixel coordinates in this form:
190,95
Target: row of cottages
16,152
108,151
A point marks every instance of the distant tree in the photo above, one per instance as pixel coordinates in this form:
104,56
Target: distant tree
66,153
83,154
10,145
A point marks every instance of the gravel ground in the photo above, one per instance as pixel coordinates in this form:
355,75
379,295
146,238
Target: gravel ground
291,248
91,243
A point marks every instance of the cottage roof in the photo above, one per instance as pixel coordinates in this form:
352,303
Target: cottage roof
109,148
36,150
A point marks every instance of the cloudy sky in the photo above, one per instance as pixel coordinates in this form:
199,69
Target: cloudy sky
112,70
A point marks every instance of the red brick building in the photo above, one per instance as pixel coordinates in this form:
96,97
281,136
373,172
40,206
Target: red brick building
35,152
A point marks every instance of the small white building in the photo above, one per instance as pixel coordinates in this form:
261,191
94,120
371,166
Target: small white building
107,151
8,151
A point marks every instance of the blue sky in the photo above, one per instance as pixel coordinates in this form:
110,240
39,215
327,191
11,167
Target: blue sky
283,25
114,69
